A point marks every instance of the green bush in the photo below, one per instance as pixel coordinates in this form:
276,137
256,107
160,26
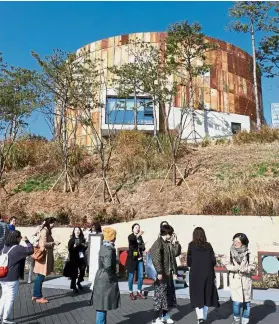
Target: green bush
37,183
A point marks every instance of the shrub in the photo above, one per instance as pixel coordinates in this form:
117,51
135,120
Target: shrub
59,262
205,141
264,135
37,183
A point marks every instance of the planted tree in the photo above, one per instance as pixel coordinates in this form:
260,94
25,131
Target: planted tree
18,99
186,50
57,82
253,17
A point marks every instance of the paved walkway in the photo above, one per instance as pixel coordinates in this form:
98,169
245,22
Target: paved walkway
66,308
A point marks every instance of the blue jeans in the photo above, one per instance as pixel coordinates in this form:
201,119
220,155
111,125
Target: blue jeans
237,309
101,317
140,277
38,284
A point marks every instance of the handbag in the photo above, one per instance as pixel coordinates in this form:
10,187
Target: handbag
67,271
39,255
150,270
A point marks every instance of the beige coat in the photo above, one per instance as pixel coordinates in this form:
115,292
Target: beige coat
46,243
240,279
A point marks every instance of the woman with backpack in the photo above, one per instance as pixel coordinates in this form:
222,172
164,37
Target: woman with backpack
15,250
163,253
44,259
77,248
201,260
240,275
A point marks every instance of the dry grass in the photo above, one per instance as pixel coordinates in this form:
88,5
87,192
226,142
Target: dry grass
224,179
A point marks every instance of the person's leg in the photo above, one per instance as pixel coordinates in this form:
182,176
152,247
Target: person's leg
246,313
199,312
30,274
3,298
140,276
11,293
101,317
236,312
38,287
205,311
130,285
82,268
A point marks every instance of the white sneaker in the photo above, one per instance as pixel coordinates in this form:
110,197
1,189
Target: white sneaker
29,281
168,321
158,321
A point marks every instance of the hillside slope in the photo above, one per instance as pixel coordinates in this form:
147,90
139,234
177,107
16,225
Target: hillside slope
223,179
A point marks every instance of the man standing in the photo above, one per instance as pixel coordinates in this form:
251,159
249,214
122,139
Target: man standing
3,231
12,223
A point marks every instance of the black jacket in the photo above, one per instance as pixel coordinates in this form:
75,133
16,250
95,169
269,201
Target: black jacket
202,261
74,251
135,252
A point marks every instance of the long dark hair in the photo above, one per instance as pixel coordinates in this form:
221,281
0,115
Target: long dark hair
12,238
163,223
98,227
199,237
81,235
47,222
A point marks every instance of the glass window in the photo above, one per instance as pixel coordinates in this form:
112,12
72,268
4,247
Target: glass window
121,111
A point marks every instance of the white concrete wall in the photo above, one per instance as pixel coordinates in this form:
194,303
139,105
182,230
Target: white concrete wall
211,123
263,232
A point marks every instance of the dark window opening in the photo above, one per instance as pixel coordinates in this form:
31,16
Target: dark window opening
236,128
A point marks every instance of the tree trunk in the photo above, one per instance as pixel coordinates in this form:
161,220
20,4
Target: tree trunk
174,167
154,119
135,111
258,115
65,150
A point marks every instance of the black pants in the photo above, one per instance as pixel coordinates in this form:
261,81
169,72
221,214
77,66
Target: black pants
80,268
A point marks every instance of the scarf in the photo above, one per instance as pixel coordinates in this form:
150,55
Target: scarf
110,244
239,253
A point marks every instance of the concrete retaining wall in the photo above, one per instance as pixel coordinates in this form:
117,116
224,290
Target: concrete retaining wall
263,232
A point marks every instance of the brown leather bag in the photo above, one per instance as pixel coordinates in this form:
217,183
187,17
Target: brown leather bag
39,255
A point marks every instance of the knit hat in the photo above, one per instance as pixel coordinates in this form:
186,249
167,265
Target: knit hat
109,234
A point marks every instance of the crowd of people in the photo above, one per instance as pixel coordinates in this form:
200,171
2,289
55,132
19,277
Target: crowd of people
200,259
38,253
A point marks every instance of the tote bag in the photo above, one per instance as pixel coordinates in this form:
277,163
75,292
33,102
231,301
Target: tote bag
150,270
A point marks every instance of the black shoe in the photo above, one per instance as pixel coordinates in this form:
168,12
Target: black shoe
79,286
75,290
201,321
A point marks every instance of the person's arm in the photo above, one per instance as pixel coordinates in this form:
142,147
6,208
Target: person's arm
247,268
24,249
43,241
230,266
71,245
213,258
156,256
141,243
108,265
176,248
189,255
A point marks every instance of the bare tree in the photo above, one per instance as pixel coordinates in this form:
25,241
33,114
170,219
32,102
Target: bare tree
18,99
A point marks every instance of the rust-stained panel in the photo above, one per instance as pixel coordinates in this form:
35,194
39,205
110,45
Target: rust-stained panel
124,39
213,78
104,44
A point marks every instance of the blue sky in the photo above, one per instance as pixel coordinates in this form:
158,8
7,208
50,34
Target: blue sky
43,26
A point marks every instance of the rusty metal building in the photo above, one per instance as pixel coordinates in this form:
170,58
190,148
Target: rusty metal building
227,90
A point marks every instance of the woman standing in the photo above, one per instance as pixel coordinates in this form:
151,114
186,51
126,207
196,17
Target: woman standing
77,248
240,276
201,260
163,253
45,266
10,283
134,261
30,260
106,294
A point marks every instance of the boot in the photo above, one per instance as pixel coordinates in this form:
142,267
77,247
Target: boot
244,320
236,320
